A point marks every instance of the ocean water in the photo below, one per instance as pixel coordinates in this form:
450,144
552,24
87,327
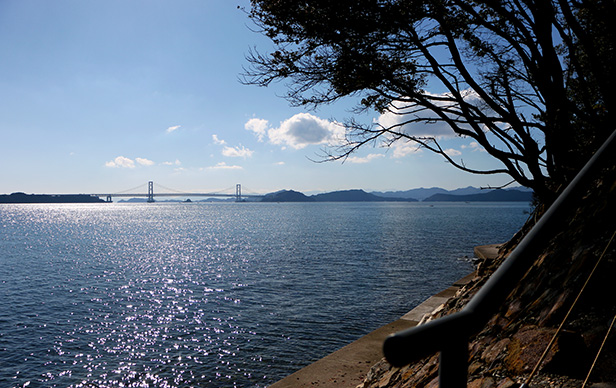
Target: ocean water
217,295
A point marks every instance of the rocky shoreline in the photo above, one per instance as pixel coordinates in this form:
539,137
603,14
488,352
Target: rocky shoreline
505,352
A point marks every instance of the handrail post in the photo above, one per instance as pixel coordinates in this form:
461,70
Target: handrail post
453,364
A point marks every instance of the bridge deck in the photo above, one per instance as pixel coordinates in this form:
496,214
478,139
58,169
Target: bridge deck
178,195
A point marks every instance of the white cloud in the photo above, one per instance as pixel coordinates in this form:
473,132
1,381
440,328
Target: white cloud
174,128
304,129
452,152
403,148
224,166
217,140
237,152
258,126
365,159
125,162
176,163
403,111
233,152
474,146
299,131
144,162
280,163
121,161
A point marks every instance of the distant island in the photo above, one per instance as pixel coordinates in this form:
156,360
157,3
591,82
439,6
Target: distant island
468,194
48,198
434,194
492,196
336,196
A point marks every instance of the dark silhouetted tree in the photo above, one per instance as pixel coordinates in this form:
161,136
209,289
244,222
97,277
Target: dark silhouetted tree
530,81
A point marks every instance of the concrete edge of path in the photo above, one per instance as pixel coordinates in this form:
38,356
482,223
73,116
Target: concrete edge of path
487,251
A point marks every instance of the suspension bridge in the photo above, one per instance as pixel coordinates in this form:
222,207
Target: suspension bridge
150,195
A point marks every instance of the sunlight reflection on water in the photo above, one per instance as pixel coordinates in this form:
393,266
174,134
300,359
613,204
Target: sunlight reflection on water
209,295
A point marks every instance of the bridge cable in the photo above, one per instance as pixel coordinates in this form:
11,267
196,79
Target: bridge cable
551,343
246,190
229,189
168,189
134,188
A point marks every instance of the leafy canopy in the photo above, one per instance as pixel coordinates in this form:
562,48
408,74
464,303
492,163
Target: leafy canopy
528,80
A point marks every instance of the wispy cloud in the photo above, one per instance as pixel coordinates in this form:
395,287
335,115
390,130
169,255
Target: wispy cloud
173,128
365,159
452,152
122,162
176,163
474,146
402,149
232,152
144,162
218,141
224,166
237,152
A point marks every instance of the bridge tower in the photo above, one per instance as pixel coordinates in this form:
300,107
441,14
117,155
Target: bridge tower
150,191
238,193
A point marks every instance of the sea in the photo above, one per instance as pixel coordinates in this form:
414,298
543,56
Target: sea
218,294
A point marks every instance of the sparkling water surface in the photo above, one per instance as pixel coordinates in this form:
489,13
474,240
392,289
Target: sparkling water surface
217,294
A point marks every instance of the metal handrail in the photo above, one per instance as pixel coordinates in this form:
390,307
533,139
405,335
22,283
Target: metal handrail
450,334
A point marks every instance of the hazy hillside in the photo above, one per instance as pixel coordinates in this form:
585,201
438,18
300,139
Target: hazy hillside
491,196
353,196
418,194
467,194
422,193
286,196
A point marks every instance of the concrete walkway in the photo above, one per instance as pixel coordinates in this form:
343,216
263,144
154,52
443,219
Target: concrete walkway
486,251
348,366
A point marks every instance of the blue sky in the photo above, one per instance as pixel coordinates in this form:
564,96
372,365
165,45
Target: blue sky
102,96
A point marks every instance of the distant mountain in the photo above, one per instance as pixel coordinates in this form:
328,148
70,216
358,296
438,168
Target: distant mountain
286,196
421,194
466,194
511,195
469,190
417,194
336,196
354,196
